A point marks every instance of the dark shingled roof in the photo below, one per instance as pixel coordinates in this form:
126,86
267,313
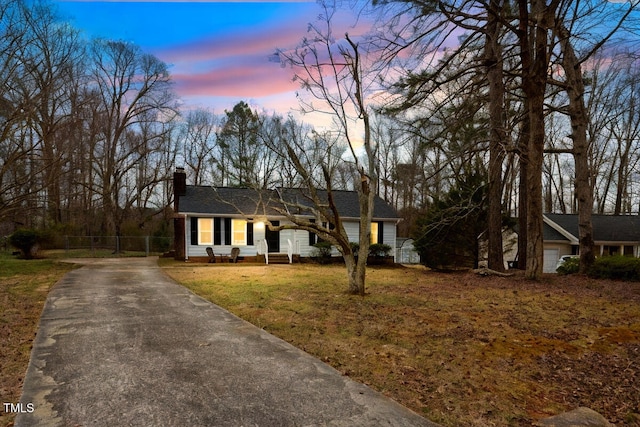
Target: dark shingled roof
606,228
346,201
229,201
551,234
233,201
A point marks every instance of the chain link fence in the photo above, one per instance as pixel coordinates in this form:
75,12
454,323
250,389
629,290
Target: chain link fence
96,246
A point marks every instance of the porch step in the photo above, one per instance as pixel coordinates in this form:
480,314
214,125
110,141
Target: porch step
275,258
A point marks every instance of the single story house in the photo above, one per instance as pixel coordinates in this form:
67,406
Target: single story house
612,235
224,218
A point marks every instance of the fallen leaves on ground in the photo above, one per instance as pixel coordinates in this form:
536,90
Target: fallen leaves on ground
459,348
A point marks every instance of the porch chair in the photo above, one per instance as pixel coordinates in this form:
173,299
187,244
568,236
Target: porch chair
212,257
235,252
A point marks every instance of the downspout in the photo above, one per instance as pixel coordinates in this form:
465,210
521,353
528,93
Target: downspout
396,239
184,236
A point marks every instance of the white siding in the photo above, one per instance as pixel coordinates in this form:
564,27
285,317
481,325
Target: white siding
389,237
201,250
389,233
302,236
299,240
353,230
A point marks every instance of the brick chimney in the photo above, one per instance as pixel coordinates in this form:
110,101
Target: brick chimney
179,190
179,187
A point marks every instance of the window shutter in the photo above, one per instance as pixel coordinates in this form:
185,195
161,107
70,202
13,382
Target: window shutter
227,231
380,232
249,233
318,238
217,231
312,235
194,231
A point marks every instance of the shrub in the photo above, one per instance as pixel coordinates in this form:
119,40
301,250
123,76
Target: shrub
446,235
355,247
28,241
616,267
379,250
569,266
322,252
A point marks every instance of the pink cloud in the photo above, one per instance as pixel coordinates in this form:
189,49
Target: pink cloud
250,80
261,42
257,41
230,66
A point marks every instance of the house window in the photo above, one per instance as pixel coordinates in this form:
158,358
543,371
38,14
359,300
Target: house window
205,231
313,237
374,233
239,231
377,231
221,231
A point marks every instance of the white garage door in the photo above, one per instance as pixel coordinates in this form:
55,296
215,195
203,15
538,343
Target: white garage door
550,260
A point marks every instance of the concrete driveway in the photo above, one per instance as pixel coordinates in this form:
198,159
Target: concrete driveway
121,344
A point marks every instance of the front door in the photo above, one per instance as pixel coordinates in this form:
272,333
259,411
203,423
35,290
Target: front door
273,238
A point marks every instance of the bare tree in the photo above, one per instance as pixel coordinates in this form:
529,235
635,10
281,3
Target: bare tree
614,129
18,95
534,35
270,170
133,87
389,137
626,133
56,53
279,133
567,27
340,75
199,144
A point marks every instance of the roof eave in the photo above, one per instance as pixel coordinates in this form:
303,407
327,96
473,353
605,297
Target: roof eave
570,237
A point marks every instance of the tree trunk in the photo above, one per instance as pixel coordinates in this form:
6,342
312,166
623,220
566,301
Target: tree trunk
534,44
350,263
579,121
535,250
523,200
493,58
356,271
366,199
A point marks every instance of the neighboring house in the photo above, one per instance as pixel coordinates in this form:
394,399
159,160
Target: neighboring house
224,218
612,235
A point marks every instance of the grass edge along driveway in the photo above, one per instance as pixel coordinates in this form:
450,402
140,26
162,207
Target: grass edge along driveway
24,285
